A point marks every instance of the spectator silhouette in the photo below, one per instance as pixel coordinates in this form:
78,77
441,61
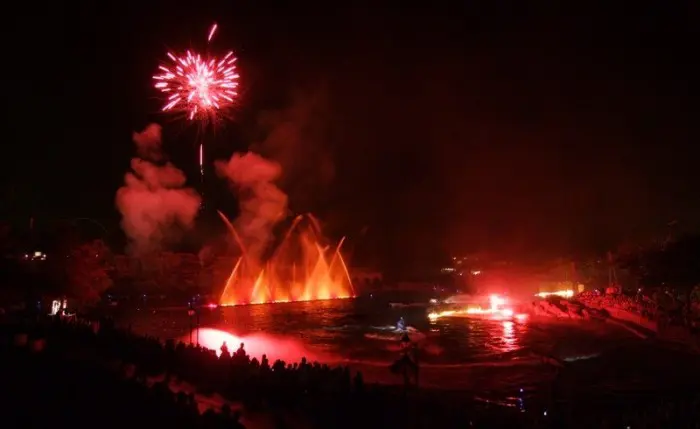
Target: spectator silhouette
224,351
323,393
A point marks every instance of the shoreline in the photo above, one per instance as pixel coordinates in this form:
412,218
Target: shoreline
635,323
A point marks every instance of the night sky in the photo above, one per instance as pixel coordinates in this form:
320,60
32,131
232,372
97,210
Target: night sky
433,130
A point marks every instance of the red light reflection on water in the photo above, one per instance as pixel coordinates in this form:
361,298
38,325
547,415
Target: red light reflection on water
510,342
255,345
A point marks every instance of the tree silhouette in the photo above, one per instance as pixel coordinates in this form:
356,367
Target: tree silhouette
87,272
674,264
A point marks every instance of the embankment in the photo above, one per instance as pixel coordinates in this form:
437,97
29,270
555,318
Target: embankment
633,322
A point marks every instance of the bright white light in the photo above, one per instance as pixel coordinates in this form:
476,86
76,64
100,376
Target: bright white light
55,307
562,293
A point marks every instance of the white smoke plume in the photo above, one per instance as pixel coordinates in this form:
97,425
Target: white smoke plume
153,201
262,203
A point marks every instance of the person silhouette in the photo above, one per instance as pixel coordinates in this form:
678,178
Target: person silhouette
401,325
241,350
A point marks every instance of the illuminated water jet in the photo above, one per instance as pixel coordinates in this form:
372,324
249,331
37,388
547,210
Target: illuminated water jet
300,269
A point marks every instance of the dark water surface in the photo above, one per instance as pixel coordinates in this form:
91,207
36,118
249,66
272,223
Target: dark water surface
479,354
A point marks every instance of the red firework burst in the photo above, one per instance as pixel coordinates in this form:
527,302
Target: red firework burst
196,84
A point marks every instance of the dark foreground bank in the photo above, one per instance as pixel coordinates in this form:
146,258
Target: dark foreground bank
85,374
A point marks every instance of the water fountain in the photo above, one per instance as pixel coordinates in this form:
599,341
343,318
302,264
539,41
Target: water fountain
300,269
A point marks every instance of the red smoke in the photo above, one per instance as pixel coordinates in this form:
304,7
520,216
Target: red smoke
153,202
261,202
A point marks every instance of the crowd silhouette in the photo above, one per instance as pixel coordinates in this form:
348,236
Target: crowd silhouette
88,373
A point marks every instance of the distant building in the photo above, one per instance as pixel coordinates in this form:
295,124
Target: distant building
365,280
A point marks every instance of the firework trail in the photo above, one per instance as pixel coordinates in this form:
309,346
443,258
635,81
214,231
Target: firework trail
211,32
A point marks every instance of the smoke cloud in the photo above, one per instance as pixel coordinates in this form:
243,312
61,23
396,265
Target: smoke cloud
153,202
300,137
262,203
297,138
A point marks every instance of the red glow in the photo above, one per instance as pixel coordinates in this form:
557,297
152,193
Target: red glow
211,306
255,345
286,301
498,310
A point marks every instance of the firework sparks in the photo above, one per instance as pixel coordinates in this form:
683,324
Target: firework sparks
198,85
